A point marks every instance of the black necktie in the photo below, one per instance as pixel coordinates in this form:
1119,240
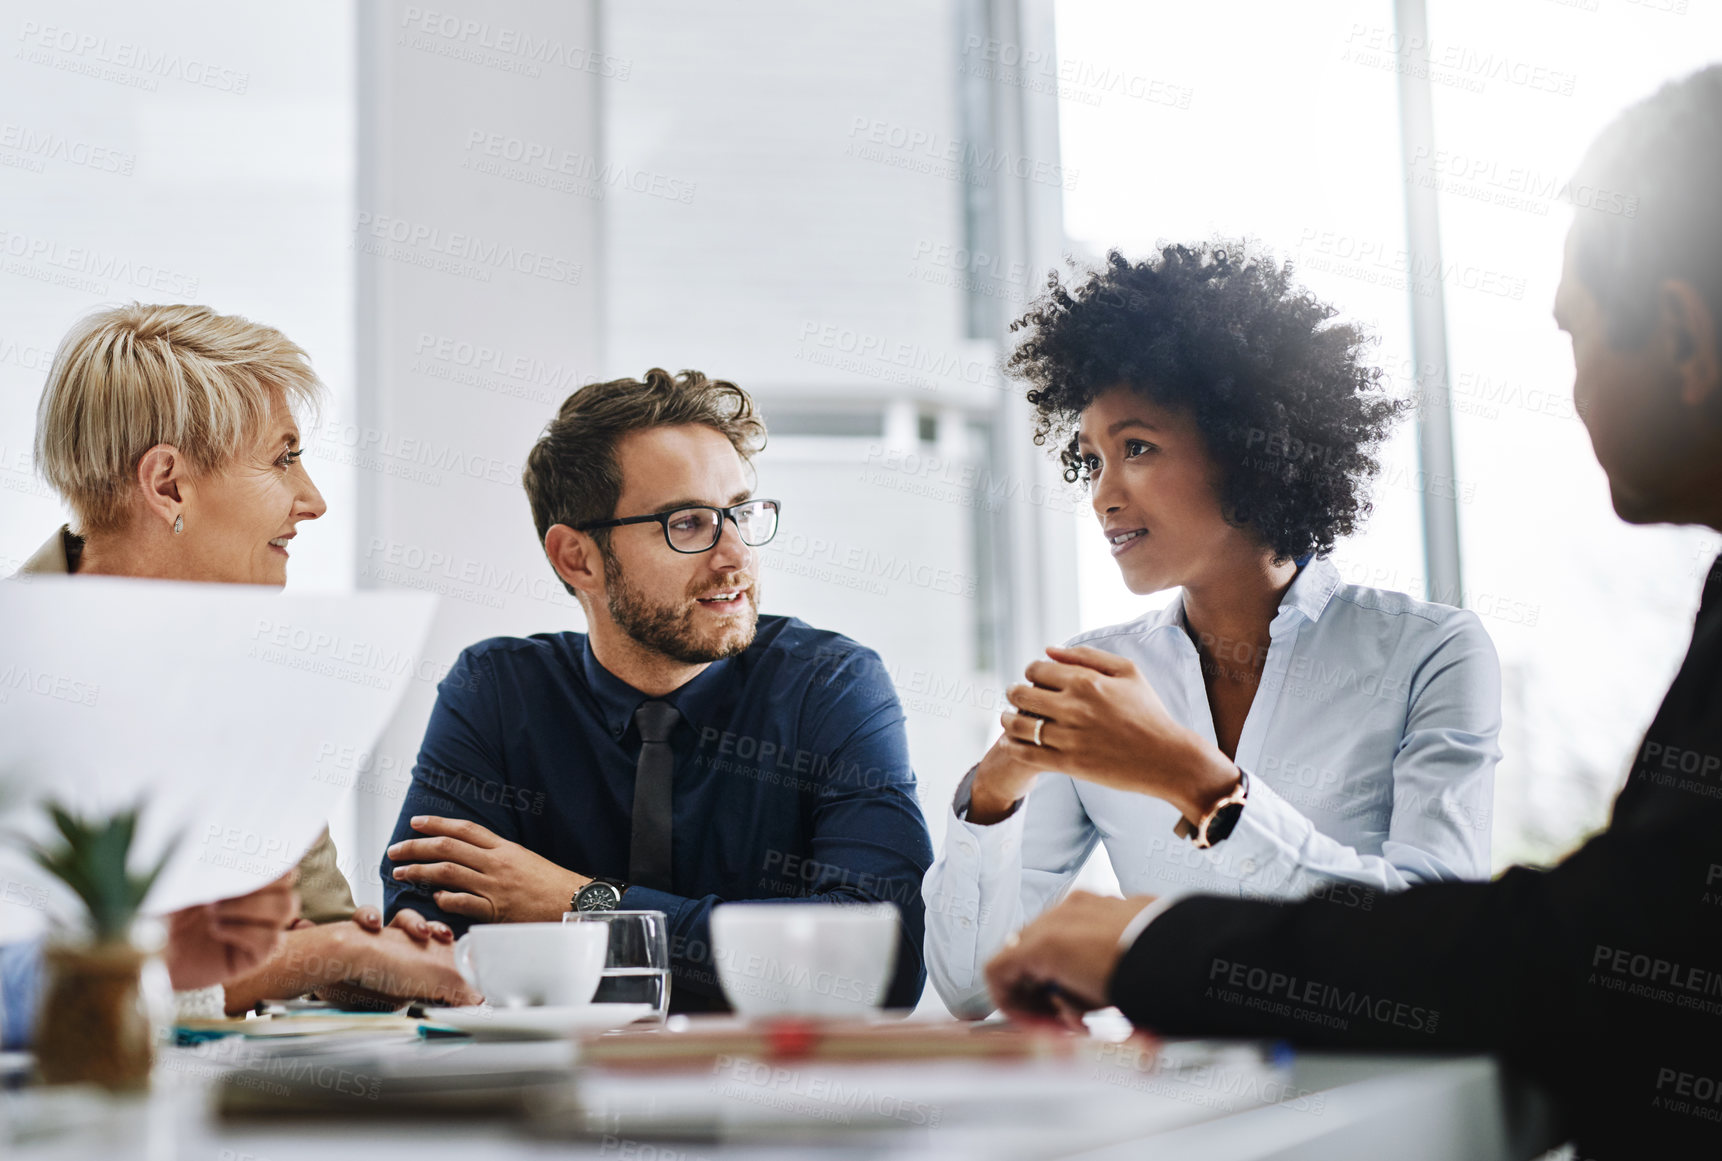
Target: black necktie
649,848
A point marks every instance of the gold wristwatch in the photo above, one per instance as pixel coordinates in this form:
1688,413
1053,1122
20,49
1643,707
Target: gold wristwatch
1219,821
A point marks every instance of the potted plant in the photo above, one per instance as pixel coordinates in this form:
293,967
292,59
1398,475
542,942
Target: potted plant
92,1027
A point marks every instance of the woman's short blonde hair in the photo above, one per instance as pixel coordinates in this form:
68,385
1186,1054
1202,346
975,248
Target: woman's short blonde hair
129,378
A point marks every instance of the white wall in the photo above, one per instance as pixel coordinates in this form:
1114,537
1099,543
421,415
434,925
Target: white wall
478,289
172,153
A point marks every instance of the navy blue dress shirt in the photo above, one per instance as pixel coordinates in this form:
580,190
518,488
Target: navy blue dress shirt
792,781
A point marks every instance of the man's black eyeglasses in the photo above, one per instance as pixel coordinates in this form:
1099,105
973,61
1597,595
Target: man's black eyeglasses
698,529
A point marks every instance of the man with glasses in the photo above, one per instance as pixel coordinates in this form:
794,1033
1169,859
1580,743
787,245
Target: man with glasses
683,752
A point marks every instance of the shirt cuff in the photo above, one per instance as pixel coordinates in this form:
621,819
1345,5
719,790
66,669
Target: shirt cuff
651,899
975,865
974,857
200,1003
965,796
1261,853
1144,917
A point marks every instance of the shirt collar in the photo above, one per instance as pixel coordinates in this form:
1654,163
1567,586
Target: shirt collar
1308,595
57,556
1310,591
618,701
1171,617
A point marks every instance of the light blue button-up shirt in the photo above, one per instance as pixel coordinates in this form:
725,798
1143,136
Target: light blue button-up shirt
1370,749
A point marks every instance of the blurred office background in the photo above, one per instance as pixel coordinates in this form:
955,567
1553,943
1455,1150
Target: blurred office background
465,210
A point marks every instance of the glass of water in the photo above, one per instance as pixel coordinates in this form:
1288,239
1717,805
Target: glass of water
637,968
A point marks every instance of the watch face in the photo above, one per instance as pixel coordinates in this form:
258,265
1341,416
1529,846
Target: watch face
1225,821
599,897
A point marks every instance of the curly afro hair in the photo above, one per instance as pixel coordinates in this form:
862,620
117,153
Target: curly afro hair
1290,414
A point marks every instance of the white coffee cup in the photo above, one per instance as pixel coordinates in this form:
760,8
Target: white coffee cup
533,964
804,959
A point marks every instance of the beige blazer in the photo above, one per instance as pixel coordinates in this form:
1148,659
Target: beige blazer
324,896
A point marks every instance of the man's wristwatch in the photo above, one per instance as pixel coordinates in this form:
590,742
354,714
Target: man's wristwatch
1219,822
600,895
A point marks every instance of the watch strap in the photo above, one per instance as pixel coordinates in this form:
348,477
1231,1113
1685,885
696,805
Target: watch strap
1221,819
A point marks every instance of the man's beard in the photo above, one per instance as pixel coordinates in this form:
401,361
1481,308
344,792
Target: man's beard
669,630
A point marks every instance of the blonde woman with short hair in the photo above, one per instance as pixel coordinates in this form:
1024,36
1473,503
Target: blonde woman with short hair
171,431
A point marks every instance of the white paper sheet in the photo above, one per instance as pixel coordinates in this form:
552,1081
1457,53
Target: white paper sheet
234,713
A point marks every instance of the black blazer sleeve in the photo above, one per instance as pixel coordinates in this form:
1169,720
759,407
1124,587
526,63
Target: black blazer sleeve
1601,977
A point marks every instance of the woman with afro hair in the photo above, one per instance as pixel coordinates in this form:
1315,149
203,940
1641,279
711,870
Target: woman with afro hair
1329,739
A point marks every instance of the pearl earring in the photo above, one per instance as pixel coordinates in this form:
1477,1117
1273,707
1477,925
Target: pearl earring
178,524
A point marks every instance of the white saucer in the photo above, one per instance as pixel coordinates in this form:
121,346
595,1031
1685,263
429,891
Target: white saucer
548,1023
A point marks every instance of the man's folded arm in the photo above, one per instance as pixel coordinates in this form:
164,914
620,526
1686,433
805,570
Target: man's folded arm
870,840
460,773
869,844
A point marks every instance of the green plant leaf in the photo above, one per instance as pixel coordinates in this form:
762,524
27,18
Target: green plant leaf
92,859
